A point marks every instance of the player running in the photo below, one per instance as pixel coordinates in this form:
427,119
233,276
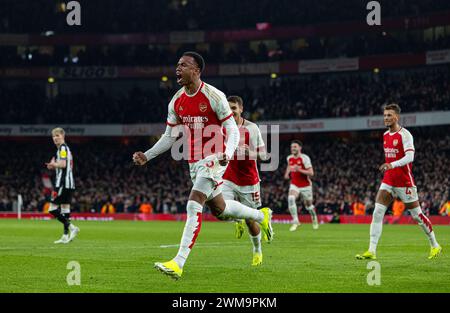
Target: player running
241,179
300,171
398,180
203,110
64,186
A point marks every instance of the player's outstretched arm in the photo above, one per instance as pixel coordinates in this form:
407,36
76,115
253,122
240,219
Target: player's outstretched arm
288,171
308,172
258,154
162,145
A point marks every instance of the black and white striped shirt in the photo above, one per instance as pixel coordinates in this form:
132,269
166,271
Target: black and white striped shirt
64,176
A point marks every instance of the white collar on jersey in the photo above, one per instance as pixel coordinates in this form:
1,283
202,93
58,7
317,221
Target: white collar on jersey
195,93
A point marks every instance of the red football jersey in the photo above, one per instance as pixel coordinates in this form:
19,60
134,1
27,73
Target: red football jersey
241,170
303,162
395,146
202,114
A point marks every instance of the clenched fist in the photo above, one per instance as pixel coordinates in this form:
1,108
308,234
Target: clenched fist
139,158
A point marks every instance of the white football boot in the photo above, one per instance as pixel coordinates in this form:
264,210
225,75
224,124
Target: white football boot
64,239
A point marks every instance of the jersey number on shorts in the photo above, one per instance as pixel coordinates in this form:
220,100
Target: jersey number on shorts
255,196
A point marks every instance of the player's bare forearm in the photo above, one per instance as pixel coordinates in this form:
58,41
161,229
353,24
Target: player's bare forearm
259,154
309,172
253,155
262,154
61,164
56,164
286,174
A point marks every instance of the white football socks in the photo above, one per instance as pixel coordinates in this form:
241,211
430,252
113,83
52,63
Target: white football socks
191,231
425,224
256,241
312,210
376,226
293,209
237,210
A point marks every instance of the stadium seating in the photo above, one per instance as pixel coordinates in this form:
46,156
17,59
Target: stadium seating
302,97
346,169
156,55
162,15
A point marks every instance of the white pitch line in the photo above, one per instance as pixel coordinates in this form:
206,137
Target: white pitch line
210,244
169,246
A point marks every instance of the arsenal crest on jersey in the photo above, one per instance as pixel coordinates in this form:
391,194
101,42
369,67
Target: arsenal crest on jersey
203,107
395,142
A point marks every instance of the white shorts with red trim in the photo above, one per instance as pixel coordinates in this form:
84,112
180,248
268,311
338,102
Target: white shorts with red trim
206,175
247,195
305,192
405,194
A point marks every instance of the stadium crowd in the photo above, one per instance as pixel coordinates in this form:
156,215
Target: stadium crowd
163,15
299,97
220,53
346,172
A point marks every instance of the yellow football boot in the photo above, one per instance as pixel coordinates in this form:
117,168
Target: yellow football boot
170,268
366,256
435,252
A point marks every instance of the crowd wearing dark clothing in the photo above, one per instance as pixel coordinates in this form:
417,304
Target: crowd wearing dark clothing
290,97
346,170
115,16
224,53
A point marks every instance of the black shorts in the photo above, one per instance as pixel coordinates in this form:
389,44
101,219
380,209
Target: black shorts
62,196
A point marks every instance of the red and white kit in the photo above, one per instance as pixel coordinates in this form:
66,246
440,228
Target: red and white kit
399,181
241,179
300,183
202,115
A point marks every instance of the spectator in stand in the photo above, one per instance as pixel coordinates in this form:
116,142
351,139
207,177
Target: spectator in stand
23,16
108,208
295,97
445,209
398,208
161,184
146,207
358,207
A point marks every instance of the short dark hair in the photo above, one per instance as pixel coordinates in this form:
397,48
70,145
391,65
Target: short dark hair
198,59
393,106
297,142
236,99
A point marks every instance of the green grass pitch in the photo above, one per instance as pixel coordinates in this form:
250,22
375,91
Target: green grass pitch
118,257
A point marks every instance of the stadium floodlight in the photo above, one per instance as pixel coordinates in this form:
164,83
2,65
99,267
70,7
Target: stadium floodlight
61,7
